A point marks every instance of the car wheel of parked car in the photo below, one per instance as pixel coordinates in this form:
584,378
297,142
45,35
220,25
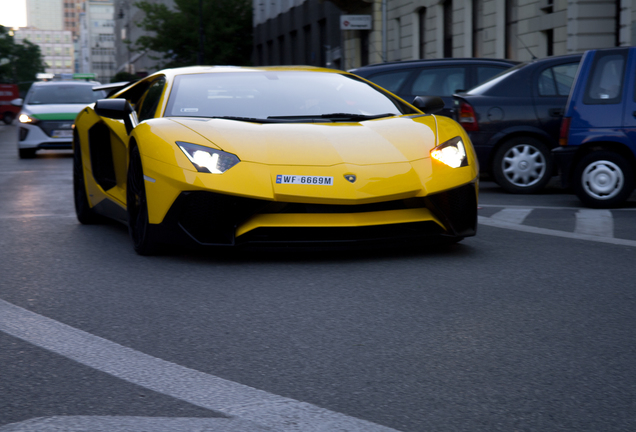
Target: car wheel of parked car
27,153
137,207
8,117
603,179
522,165
85,214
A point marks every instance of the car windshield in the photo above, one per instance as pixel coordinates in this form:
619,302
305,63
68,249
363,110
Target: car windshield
280,96
63,94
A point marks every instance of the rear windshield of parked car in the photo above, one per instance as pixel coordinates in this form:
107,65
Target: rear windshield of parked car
605,85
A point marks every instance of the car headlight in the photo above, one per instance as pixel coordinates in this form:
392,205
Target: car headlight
208,160
25,118
451,153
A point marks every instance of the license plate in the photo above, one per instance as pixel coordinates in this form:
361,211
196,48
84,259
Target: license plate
62,133
304,180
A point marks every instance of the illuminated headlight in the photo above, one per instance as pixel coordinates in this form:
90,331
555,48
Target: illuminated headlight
451,153
27,119
208,160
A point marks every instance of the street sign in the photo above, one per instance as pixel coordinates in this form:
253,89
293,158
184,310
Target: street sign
356,22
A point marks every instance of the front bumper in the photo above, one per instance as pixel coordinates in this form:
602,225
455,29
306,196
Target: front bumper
39,136
212,219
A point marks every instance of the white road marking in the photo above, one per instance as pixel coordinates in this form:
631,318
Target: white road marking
594,222
132,424
512,215
231,399
530,229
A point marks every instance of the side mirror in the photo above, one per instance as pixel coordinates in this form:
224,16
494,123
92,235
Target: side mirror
428,104
17,102
117,109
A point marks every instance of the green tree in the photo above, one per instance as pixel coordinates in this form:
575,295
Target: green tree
19,63
227,26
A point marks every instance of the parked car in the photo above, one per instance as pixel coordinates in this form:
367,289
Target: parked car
434,77
597,156
48,112
8,112
513,120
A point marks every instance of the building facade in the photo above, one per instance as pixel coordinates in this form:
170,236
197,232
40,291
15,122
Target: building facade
416,29
45,14
127,31
56,47
97,39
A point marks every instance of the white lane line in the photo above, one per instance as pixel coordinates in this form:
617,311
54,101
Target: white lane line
512,215
529,229
594,222
132,424
198,388
32,216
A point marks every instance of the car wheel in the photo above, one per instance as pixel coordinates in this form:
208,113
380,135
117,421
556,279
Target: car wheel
8,118
523,165
28,153
137,207
603,179
85,214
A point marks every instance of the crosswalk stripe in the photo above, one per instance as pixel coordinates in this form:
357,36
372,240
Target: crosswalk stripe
512,215
594,222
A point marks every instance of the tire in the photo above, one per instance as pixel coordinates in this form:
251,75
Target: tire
603,179
85,214
522,165
27,153
8,117
137,207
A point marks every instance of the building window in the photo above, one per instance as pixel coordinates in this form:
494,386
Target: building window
421,19
293,39
281,50
307,42
549,40
448,28
478,27
511,29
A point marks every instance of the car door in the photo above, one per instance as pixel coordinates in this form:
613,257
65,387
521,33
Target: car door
552,84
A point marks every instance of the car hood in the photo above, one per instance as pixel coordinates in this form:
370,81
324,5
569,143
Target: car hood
391,140
53,111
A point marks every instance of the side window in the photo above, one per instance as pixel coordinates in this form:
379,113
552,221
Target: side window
151,100
486,72
392,81
557,80
605,84
439,82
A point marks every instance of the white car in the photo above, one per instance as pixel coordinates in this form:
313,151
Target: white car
48,112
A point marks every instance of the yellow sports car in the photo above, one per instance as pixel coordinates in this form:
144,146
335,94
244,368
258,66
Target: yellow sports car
227,156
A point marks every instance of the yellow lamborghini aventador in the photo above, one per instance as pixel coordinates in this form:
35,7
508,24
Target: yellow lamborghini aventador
229,156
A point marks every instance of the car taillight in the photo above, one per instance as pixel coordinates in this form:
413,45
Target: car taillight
467,117
565,130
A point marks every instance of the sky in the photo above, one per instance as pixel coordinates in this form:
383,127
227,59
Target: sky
13,13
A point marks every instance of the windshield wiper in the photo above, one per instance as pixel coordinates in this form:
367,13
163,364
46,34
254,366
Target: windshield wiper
245,119
334,117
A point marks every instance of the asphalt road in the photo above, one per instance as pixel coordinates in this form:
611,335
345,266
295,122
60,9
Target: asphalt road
527,326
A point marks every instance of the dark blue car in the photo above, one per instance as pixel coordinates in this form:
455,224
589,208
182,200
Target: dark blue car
597,153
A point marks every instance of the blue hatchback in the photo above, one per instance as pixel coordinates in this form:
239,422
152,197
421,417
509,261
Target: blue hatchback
597,155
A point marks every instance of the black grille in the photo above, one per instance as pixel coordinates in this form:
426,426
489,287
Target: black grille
457,208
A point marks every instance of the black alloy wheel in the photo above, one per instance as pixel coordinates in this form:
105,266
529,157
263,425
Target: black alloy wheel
85,214
603,179
8,117
137,207
26,153
523,165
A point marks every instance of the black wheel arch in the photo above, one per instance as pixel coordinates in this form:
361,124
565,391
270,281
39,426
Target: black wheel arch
612,146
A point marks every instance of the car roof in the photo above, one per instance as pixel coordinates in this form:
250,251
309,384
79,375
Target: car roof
434,62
